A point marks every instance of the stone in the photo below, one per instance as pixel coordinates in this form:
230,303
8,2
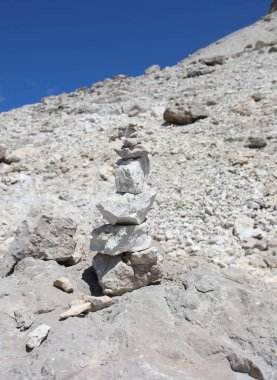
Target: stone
127,208
273,6
242,364
64,284
152,70
124,273
2,154
131,174
212,61
187,113
132,152
244,227
113,240
49,239
255,142
130,142
273,49
76,310
135,109
7,262
96,303
37,336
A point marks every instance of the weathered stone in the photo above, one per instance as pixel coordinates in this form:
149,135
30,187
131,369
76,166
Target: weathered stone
76,310
113,240
130,142
124,273
255,142
131,174
2,153
187,113
37,336
7,262
212,61
97,303
131,152
50,239
127,208
152,69
64,284
273,6
242,364
244,227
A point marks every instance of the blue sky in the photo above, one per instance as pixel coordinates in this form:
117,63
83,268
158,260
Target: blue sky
54,46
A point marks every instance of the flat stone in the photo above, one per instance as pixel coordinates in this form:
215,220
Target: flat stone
76,310
96,303
124,273
113,240
132,152
187,113
255,142
37,336
131,174
127,208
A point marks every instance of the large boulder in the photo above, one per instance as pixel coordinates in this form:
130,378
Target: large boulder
187,113
49,239
113,240
128,271
127,208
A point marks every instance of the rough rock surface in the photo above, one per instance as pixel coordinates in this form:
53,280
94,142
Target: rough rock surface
113,240
49,239
214,314
37,336
127,208
124,273
131,174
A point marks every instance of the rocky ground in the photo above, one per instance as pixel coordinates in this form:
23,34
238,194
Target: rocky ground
214,314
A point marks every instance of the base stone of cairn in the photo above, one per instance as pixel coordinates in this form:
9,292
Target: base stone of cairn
126,258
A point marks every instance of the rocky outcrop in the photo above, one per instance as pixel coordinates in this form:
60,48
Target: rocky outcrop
125,259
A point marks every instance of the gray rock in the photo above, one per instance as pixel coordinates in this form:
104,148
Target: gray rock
127,208
255,142
212,61
131,174
37,336
7,262
187,113
50,239
113,240
124,273
2,153
131,152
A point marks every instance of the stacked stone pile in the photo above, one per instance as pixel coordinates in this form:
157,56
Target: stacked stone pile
126,258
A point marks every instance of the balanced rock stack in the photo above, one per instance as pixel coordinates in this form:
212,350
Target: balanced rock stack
126,258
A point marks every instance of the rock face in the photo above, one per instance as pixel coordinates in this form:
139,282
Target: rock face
182,114
125,261
49,239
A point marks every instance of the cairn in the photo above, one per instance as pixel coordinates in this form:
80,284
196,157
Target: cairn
127,259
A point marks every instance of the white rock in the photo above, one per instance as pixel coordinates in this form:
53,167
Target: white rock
37,336
113,240
127,208
131,174
244,227
64,284
76,310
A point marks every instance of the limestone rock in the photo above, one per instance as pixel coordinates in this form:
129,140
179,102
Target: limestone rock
37,336
127,208
124,273
113,240
76,310
50,239
181,114
2,154
97,303
131,152
7,262
244,227
152,69
212,61
64,284
255,142
131,174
